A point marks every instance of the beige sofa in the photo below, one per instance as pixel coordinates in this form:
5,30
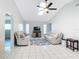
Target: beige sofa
54,38
21,38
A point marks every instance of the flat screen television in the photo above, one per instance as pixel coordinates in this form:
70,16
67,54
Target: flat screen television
36,28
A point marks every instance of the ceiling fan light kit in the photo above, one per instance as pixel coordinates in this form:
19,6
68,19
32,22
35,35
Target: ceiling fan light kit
42,4
41,13
44,7
40,9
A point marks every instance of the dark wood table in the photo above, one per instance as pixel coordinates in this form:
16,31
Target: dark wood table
70,43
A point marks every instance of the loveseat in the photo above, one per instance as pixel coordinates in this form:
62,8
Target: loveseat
54,38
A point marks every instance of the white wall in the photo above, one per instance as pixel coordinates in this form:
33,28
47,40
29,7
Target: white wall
8,6
67,21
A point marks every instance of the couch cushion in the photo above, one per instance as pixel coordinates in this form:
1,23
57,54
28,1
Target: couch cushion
21,36
25,34
55,35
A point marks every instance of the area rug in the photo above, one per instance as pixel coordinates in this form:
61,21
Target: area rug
39,41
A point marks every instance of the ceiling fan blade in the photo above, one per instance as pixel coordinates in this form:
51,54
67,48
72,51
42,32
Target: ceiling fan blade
49,5
52,8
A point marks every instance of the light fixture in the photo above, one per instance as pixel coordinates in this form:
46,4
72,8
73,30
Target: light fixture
41,13
46,9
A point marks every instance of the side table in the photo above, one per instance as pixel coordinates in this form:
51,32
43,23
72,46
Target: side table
70,43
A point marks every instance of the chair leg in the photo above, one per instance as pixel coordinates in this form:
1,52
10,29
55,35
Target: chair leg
73,46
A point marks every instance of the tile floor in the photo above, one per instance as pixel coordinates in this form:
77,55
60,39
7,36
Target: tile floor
42,52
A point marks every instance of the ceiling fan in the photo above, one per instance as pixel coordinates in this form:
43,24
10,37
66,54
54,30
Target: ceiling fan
44,7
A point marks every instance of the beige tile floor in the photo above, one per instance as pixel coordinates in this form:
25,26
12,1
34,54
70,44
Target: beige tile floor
42,52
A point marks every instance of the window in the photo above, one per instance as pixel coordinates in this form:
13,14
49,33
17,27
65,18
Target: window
20,27
27,28
52,28
8,26
45,28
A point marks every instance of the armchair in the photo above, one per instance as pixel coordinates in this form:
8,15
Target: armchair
21,38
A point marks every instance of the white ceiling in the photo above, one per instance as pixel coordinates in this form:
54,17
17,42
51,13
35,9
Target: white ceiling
28,9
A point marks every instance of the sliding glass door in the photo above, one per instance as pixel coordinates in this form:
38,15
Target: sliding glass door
8,32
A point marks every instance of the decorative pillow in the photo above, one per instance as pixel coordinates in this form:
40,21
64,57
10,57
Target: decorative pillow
61,35
55,35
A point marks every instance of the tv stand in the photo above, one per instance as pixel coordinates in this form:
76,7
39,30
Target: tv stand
36,34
